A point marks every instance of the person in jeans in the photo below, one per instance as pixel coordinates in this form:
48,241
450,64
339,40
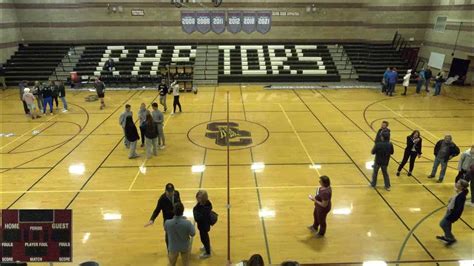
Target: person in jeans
47,93
163,90
165,204
179,231
385,80
439,79
22,85
176,102
131,134
428,76
62,94
202,216
158,119
122,119
55,92
454,211
412,150
322,206
444,151
465,162
469,177
383,128
382,151
151,137
38,95
392,81
420,80
141,120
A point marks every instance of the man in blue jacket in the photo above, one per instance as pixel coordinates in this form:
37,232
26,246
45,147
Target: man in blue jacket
454,212
392,81
385,80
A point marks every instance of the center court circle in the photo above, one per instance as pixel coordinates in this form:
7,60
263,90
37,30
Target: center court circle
240,134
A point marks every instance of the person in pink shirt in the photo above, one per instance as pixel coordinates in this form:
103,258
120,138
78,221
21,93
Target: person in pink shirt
29,98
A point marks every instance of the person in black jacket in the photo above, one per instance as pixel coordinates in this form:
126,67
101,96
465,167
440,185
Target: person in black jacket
444,151
151,136
55,91
47,93
413,149
202,216
62,94
100,89
383,127
428,76
131,133
454,212
382,151
165,204
109,65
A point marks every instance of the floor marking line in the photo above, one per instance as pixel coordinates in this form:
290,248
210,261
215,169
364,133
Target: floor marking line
143,165
299,139
28,131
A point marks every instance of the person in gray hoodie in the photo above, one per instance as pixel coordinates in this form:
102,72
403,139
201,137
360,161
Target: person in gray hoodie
142,118
122,122
465,162
158,120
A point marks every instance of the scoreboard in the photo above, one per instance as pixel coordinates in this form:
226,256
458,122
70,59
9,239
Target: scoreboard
36,235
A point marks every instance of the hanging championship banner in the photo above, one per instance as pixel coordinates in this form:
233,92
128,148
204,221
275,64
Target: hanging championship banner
248,22
218,22
264,21
203,21
188,21
234,21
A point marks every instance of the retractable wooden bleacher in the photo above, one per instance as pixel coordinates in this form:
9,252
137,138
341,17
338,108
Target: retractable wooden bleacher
371,60
276,63
34,62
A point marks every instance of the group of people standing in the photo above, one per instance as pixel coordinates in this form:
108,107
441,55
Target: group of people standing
444,150
423,79
43,94
178,229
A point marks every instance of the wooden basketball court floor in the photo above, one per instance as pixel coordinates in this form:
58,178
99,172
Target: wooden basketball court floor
76,160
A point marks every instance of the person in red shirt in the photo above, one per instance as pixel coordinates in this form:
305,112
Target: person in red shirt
322,206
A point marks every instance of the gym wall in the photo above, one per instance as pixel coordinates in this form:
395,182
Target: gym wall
10,33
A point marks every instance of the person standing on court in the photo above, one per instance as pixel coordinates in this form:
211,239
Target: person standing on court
22,85
428,76
406,81
385,80
392,81
176,102
454,211
141,120
382,151
465,162
131,134
151,136
62,94
412,150
469,177
122,120
55,92
383,128
38,95
439,79
47,93
158,119
165,204
163,91
180,231
322,206
29,98
420,80
202,216
444,151
100,89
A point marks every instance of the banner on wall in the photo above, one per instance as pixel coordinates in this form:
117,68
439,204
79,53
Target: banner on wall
234,21
218,21
264,21
188,21
249,21
203,21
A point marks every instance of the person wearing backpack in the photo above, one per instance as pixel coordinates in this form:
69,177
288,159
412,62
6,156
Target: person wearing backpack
202,215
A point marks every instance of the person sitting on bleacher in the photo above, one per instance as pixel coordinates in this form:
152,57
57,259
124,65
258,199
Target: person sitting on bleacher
109,65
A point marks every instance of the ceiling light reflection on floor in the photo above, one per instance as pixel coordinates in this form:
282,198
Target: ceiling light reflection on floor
369,165
188,213
112,216
415,209
142,169
258,167
266,213
343,211
86,237
374,263
466,262
198,168
77,169
315,166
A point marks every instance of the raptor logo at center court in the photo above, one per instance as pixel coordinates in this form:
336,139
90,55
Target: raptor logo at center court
222,132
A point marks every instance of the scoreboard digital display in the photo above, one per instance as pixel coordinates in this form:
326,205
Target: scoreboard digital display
36,235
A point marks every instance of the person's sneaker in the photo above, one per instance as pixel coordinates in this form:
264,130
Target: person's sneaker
442,238
318,236
64,110
398,173
431,176
311,228
202,249
162,147
204,256
439,181
409,174
141,145
388,188
470,204
370,185
449,242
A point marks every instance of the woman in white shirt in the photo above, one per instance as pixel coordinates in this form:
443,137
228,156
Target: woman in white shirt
406,81
175,87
